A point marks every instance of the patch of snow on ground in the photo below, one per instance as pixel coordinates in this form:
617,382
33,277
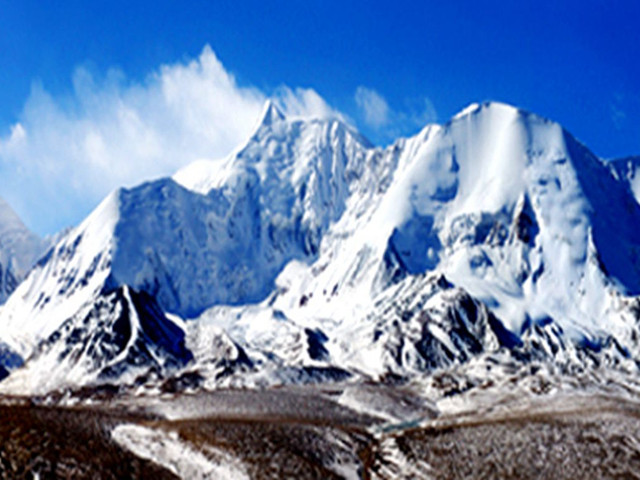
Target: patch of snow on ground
166,449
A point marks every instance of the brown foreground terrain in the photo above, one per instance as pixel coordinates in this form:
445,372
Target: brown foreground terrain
586,439
48,442
600,440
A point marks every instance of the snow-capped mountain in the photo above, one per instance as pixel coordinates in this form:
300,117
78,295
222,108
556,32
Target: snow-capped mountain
309,253
19,249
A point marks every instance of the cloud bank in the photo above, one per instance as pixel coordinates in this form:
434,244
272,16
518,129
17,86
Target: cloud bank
65,154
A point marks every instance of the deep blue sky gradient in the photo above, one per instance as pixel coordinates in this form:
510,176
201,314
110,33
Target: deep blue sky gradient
576,62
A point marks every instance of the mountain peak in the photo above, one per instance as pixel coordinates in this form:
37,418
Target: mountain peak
271,114
19,248
475,108
8,217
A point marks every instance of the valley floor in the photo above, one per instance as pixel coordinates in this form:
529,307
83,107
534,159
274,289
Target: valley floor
307,433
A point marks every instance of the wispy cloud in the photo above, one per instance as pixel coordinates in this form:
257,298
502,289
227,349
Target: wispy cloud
304,103
389,123
373,106
65,154
618,115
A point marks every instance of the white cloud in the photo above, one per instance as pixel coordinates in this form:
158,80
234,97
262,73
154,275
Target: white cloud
304,102
618,114
373,107
418,112
66,154
387,123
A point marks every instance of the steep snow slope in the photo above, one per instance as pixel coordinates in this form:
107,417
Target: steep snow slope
309,252
19,249
68,276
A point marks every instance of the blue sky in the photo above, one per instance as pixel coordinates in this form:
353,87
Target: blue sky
107,79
